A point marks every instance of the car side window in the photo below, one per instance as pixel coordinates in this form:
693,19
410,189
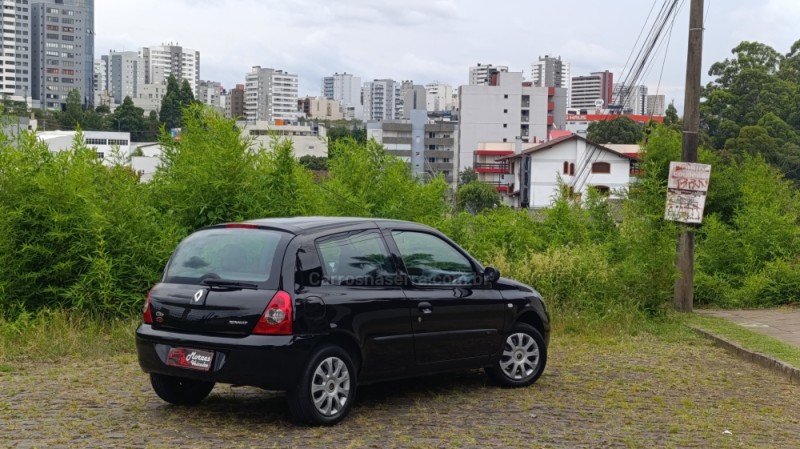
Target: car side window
430,260
356,258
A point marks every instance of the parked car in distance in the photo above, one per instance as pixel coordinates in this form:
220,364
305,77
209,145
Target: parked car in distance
317,306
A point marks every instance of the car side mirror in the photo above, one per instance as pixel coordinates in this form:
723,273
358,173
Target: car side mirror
491,274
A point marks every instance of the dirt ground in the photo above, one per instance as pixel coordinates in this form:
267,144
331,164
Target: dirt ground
596,393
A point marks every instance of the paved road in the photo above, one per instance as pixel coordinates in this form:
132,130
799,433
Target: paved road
782,323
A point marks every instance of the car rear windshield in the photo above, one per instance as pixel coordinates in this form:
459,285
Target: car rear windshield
234,254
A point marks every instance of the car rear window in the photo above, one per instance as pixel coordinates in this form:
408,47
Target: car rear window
247,255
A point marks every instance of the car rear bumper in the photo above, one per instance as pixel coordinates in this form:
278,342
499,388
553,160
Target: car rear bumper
271,362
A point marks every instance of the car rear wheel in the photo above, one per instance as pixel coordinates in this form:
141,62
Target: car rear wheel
326,389
178,390
522,360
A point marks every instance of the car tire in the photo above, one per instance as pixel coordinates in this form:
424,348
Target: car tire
326,388
179,390
522,359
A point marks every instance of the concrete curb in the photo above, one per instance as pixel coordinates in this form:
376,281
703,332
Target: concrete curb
769,362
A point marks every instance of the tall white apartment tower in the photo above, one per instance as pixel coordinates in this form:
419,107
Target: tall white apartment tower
480,75
164,60
630,99
551,72
346,89
62,50
15,57
270,95
382,100
439,97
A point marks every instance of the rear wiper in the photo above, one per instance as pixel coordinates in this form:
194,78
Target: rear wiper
226,283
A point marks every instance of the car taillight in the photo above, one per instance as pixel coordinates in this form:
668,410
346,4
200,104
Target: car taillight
277,317
148,315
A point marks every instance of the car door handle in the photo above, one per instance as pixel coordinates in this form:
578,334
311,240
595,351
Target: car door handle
425,307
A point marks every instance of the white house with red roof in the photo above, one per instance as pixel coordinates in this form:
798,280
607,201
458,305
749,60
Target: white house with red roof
578,163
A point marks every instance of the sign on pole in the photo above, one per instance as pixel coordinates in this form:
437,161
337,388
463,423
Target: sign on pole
687,187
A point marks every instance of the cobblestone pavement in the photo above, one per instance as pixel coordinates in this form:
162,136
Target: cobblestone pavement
628,392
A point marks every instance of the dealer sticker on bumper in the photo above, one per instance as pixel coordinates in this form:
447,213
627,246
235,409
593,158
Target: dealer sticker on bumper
190,358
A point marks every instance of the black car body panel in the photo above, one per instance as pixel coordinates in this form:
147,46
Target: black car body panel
393,325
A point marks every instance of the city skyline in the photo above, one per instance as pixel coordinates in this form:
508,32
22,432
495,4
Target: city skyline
427,41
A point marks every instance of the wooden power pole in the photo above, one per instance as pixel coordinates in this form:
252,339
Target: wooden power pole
684,285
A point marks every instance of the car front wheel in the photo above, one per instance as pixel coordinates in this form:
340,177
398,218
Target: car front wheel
522,360
326,389
180,391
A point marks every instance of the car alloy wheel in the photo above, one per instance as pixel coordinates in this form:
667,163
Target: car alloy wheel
520,356
330,386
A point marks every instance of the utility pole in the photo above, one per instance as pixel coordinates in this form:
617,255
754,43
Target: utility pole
684,285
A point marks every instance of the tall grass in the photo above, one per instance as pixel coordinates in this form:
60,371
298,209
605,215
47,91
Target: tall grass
52,334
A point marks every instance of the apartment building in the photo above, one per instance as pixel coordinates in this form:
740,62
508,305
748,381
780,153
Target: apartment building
161,61
382,100
320,108
480,74
346,89
504,110
629,99
270,96
234,107
437,150
16,69
551,71
124,74
656,105
594,91
439,97
414,98
62,51
210,93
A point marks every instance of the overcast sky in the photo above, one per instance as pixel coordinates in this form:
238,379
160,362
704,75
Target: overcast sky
430,40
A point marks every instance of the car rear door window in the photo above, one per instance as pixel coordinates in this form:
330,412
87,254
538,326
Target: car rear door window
356,258
429,260
247,255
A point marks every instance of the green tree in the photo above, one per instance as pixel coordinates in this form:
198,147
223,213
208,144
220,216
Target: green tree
129,118
475,197
72,116
671,116
171,105
186,94
621,130
467,176
384,186
315,163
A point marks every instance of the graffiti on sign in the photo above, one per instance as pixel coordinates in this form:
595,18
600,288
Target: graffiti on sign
686,191
685,206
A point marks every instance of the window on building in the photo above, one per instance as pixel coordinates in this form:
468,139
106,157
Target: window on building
505,125
566,167
603,190
572,169
601,167
505,96
505,111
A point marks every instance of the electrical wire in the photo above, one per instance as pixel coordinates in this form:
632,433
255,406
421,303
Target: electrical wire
643,62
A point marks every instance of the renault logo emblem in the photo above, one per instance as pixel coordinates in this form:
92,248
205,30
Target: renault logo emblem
198,296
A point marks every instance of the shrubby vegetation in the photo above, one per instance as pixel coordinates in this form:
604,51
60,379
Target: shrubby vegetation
77,235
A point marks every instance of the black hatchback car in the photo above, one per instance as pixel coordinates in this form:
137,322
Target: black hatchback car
317,306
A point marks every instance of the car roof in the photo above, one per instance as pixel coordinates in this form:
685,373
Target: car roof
305,225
